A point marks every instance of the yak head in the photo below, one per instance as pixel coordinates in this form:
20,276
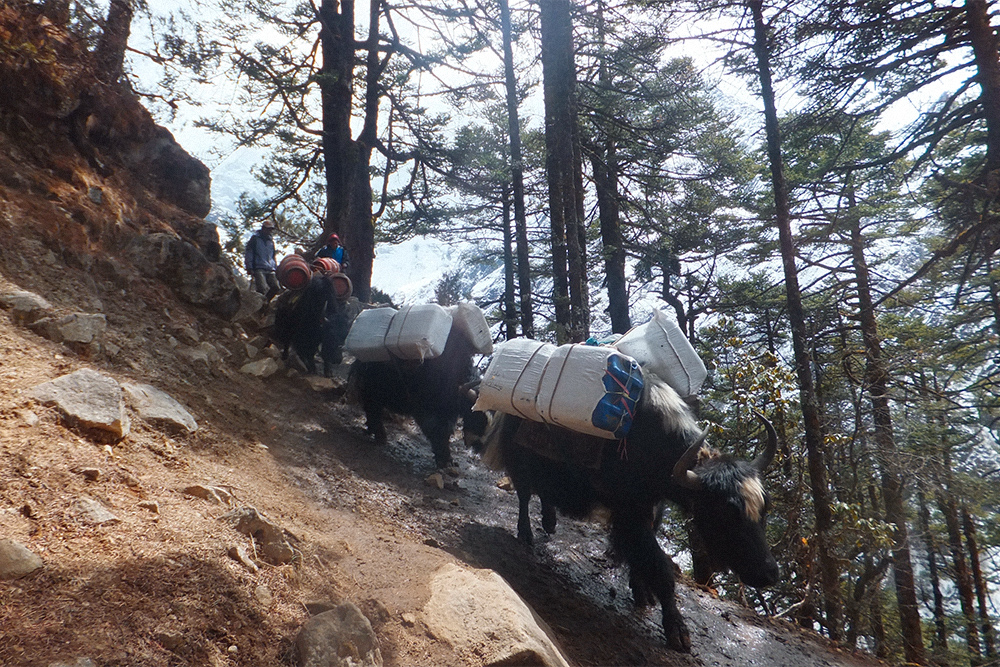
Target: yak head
729,507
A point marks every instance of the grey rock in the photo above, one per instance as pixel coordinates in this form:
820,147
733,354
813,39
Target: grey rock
263,595
274,548
261,368
91,399
158,407
183,266
16,560
82,328
240,555
25,307
341,637
91,511
480,614
214,494
79,662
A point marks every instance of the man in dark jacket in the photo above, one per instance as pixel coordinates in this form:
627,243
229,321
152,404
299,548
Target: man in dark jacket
260,261
336,251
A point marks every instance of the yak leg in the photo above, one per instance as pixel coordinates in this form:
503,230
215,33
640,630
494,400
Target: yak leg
523,519
651,570
373,420
438,430
548,516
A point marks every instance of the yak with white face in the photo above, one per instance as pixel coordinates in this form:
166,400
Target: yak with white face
663,458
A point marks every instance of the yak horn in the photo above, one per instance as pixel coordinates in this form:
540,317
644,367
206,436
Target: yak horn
683,475
764,459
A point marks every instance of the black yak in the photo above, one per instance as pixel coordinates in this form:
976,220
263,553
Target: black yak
312,320
663,458
436,392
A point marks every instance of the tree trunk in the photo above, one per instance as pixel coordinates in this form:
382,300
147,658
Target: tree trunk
110,51
829,571
517,177
963,579
876,377
606,187
881,648
987,54
558,75
340,153
509,311
940,644
982,590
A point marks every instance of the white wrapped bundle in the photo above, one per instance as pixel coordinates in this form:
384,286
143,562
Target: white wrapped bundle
583,388
469,319
510,383
366,339
661,348
418,332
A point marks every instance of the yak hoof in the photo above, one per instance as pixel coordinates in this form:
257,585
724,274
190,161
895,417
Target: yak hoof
548,519
678,637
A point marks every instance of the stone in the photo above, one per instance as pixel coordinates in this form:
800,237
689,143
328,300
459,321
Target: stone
214,494
271,538
158,407
479,614
182,266
91,511
341,637
88,398
25,307
79,328
261,368
240,555
16,560
263,595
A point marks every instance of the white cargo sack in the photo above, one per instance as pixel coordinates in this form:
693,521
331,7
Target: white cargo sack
418,332
413,332
469,319
661,348
584,388
366,339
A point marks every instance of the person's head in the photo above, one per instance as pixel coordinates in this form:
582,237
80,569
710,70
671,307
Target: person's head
267,226
333,241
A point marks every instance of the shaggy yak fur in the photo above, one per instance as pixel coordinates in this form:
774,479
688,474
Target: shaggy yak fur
435,392
661,459
312,320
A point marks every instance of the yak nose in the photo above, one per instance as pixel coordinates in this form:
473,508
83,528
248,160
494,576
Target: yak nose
767,575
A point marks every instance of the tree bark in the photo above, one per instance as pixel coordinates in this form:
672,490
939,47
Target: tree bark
509,311
940,644
876,378
110,51
829,571
612,242
982,592
517,177
987,55
558,75
963,579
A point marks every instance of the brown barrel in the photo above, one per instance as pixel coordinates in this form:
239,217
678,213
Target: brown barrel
326,265
294,272
342,285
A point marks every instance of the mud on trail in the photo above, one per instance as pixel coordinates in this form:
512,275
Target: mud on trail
568,578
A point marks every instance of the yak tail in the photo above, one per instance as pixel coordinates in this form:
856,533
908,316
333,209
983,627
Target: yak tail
499,436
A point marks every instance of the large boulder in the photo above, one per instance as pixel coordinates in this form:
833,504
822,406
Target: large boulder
482,617
88,399
181,265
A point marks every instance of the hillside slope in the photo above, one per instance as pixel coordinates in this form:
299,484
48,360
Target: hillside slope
100,214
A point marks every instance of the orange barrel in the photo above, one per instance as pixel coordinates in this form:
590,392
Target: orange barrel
326,265
342,285
293,272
